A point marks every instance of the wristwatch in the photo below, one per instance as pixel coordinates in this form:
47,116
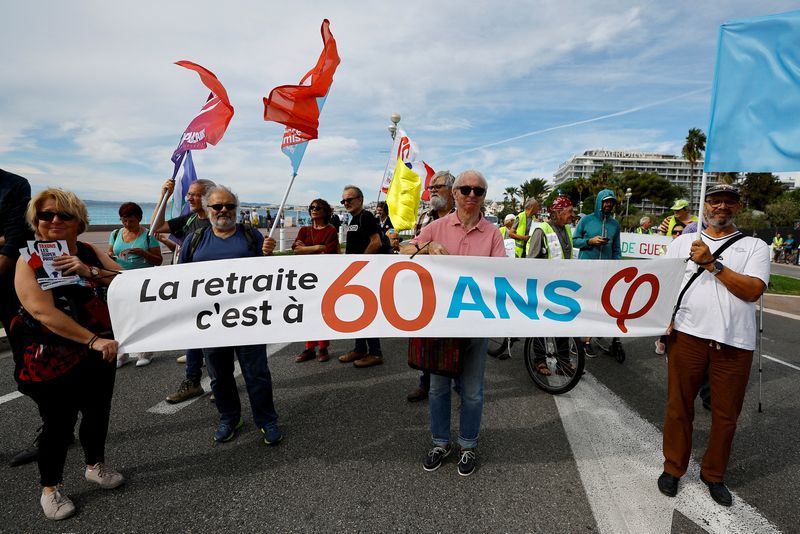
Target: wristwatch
717,268
96,272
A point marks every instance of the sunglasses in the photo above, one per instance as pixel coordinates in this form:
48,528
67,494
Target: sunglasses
218,207
435,187
48,216
466,190
315,208
348,200
677,232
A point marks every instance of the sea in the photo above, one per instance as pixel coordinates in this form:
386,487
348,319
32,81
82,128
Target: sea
107,212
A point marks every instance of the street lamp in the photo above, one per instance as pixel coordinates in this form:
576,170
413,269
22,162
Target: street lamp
628,195
395,118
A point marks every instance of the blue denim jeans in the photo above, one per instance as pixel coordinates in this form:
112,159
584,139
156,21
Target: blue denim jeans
471,409
194,364
373,343
257,379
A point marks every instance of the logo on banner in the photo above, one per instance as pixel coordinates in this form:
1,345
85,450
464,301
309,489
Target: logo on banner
624,312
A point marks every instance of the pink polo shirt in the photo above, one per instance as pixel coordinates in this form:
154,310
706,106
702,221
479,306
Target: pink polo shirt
484,239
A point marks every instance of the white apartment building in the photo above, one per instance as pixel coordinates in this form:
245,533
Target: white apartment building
673,168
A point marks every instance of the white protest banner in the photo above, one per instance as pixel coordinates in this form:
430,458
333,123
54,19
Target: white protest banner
643,246
295,298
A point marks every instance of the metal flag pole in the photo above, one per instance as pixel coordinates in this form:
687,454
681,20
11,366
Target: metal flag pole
161,207
283,203
395,118
760,336
701,207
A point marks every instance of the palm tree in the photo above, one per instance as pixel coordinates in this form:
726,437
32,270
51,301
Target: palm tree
601,178
693,151
729,178
581,185
536,188
511,197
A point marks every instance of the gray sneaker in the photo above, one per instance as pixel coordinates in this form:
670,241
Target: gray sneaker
56,505
187,390
104,476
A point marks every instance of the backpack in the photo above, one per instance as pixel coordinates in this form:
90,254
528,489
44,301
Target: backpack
197,235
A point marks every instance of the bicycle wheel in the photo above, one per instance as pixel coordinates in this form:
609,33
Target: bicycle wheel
562,358
497,346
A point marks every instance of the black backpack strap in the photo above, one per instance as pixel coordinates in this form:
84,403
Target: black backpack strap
696,275
252,245
193,242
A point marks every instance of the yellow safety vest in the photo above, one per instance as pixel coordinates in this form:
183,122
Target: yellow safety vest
551,242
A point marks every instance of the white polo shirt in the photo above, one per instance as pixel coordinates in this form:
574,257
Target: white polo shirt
708,310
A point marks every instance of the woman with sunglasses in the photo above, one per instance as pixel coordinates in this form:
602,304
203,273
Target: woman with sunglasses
320,237
133,248
64,349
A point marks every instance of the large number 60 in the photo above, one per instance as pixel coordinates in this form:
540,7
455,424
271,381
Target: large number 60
341,287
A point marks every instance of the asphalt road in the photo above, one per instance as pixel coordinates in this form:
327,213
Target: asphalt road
351,457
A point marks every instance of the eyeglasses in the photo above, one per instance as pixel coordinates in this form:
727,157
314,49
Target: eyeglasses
48,216
436,187
218,207
466,190
715,203
193,195
315,208
348,200
677,232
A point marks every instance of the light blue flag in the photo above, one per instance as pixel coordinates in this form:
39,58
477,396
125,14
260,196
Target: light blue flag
179,204
295,147
755,102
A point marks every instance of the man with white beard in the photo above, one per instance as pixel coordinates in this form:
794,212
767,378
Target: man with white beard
440,189
223,240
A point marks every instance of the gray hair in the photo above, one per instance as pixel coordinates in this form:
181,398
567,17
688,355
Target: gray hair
217,189
449,179
207,184
644,220
467,173
531,202
356,189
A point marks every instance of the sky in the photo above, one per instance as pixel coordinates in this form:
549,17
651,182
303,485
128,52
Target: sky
92,101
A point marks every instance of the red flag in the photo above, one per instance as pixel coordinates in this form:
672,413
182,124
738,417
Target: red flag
297,106
210,124
429,172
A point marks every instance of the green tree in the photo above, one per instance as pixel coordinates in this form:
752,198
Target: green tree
759,189
751,220
650,186
783,212
537,188
510,197
729,178
601,178
693,151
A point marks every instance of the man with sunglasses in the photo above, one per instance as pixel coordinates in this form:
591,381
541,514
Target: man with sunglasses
363,237
465,233
181,227
714,330
225,239
440,190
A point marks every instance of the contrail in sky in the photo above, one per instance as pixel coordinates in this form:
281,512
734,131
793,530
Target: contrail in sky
586,121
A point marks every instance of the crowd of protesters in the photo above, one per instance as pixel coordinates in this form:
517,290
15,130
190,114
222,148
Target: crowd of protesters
66,356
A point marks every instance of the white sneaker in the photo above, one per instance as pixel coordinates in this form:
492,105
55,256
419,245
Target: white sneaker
56,505
142,359
103,475
661,348
122,359
181,359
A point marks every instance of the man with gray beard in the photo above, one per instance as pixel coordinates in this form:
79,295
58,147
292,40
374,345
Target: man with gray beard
223,240
440,189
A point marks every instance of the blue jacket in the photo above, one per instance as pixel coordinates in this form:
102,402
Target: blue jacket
592,225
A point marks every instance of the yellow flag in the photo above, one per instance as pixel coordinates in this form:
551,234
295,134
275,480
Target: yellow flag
403,197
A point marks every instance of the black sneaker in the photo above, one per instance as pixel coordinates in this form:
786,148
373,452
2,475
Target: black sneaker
435,456
719,492
467,463
588,349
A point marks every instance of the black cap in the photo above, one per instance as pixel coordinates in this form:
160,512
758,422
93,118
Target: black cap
723,188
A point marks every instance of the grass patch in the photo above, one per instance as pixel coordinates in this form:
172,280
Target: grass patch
783,285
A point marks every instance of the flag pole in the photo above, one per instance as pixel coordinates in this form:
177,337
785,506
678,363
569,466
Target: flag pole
701,208
283,203
380,185
159,210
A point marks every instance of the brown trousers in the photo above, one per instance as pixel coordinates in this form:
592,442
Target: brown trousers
728,372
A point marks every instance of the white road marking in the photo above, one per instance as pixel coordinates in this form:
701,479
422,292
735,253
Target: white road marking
10,396
776,360
164,408
782,314
619,459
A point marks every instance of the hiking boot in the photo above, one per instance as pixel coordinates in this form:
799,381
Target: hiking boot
123,359
306,355
187,390
104,476
56,505
323,355
588,349
435,456
369,361
417,395
226,432
467,463
352,356
272,434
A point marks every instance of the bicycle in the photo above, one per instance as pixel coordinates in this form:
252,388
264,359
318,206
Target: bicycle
564,360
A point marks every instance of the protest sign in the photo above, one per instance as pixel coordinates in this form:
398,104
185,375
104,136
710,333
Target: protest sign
644,246
294,298
40,255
